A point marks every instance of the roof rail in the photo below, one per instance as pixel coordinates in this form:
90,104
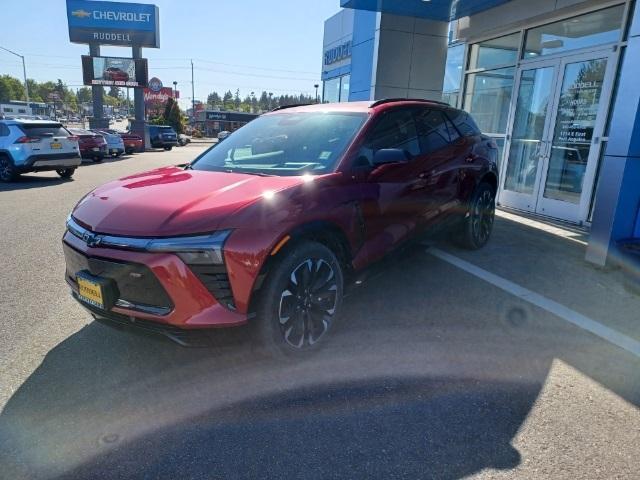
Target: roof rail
391,100
282,107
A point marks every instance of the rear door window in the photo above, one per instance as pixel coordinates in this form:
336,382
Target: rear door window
44,130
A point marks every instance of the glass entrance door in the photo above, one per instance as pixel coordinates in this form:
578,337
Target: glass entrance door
529,133
558,120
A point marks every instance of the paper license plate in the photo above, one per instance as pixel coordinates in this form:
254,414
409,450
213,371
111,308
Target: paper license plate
56,145
90,292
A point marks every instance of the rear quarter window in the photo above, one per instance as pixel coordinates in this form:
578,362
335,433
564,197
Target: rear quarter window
463,122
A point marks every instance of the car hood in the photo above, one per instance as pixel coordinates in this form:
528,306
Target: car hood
173,201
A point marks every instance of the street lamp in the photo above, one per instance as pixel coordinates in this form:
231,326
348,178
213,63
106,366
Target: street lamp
253,102
24,72
316,87
175,90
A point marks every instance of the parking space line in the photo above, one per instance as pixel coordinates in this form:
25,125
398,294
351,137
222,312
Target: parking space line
571,316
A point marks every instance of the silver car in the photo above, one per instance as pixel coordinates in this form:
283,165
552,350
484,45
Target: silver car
115,144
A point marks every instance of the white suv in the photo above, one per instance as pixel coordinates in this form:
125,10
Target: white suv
36,146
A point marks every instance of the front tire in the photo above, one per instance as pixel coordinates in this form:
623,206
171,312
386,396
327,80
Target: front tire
8,172
65,172
478,222
97,159
168,149
300,301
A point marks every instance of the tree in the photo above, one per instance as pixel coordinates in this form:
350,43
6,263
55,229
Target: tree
11,89
214,99
264,101
236,99
84,95
227,100
173,116
114,92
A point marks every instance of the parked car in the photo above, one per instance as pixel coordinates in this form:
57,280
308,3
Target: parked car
92,145
115,74
270,227
162,136
222,135
115,144
36,146
132,142
183,140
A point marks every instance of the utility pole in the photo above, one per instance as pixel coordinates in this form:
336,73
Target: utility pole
193,97
316,85
24,73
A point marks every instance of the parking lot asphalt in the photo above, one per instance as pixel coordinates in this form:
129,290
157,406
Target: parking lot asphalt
432,371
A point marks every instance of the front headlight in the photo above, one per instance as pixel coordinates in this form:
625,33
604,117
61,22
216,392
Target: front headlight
198,250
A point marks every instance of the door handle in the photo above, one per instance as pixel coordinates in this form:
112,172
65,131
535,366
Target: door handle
471,158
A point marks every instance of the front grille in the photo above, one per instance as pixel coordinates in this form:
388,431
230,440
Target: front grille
216,280
136,283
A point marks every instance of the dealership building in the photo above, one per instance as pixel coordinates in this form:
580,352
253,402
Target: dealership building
554,82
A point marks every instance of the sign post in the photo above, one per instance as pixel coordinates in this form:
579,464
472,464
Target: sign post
134,25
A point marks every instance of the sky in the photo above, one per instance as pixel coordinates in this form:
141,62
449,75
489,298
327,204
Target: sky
253,45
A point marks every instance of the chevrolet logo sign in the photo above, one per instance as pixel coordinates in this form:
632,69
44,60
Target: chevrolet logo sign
81,13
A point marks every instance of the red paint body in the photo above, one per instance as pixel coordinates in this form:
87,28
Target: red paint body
373,211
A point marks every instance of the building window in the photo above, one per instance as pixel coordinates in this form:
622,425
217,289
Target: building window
591,29
487,98
7,109
345,80
494,53
336,89
453,75
331,93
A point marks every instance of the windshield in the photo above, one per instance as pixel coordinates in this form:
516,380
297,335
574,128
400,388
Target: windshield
285,144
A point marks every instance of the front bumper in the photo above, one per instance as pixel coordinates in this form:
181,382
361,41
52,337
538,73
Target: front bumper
188,303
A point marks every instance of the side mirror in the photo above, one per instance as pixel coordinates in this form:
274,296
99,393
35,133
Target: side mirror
385,156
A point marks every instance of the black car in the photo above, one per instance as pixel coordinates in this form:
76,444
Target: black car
162,136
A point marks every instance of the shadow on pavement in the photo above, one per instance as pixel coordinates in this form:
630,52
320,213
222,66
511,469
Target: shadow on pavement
27,181
430,375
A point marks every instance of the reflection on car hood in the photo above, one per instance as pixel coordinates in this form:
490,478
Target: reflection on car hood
172,201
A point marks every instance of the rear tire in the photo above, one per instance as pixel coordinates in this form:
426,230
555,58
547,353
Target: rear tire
129,151
97,159
168,149
475,231
65,172
8,172
300,301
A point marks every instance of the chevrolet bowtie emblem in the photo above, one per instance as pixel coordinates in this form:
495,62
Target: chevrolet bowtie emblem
81,13
91,239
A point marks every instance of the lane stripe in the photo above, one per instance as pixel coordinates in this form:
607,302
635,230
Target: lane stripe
571,316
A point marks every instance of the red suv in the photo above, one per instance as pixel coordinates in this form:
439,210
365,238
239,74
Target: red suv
268,226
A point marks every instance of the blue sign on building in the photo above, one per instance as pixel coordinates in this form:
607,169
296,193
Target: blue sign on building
113,23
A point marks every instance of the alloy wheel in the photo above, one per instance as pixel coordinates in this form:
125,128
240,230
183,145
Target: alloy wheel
483,216
5,169
308,303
